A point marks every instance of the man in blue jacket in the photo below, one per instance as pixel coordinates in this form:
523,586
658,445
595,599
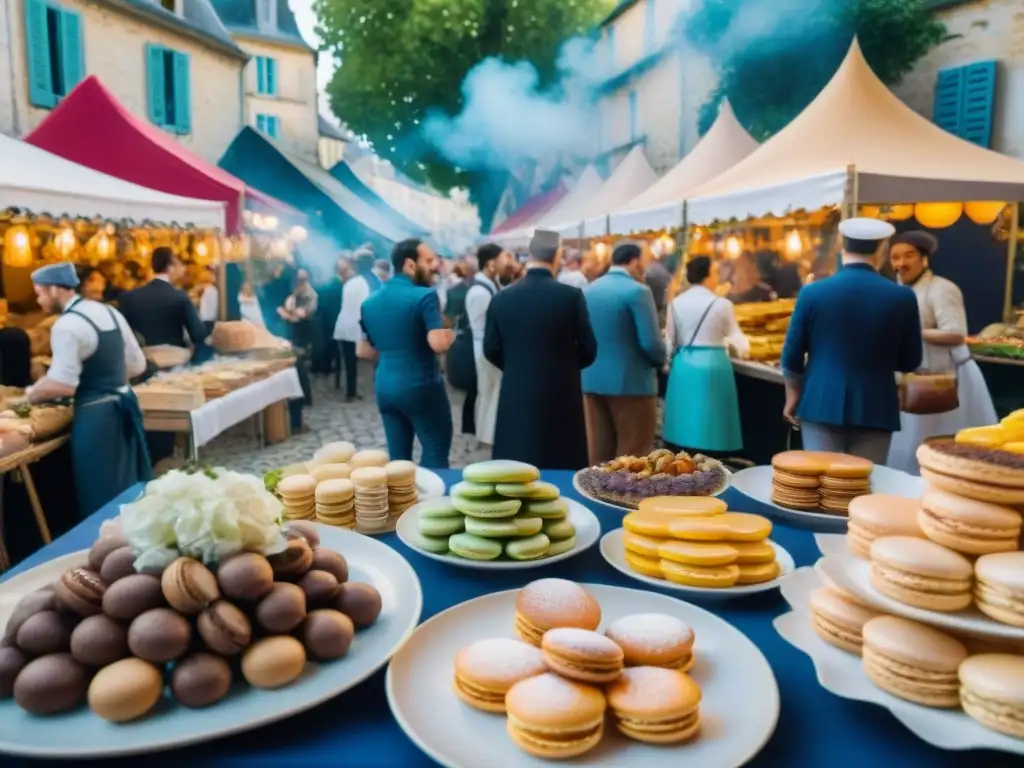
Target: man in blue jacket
620,390
849,336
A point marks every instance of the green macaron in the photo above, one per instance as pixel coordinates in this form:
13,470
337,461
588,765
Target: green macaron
500,471
556,509
472,490
474,547
487,508
539,490
530,548
556,530
528,526
441,526
492,529
437,508
434,544
562,546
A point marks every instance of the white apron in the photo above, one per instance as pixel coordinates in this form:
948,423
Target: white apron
488,387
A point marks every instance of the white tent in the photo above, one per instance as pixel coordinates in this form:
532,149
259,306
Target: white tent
40,182
631,176
588,183
661,205
857,136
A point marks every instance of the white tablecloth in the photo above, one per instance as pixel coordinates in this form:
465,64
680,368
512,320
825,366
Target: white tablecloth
218,415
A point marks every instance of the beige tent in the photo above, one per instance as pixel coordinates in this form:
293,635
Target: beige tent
588,183
858,143
661,206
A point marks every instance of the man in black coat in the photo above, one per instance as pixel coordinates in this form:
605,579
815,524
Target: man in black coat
158,311
538,333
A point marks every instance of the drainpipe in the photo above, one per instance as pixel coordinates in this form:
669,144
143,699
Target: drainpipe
9,42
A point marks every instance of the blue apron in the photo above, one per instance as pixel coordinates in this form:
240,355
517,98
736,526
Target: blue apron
108,441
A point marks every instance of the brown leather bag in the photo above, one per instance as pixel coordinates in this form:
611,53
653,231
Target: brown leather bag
926,394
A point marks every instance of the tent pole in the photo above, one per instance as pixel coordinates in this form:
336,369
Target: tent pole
1011,259
851,194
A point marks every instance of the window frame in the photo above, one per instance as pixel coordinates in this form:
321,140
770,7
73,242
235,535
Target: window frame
54,53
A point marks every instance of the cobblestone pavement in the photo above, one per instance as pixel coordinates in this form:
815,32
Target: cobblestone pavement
330,418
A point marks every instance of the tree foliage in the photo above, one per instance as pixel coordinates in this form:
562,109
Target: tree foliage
401,58
771,67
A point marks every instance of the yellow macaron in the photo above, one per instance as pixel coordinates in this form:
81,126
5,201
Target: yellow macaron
758,573
645,546
698,553
689,506
647,566
731,526
753,552
710,577
649,523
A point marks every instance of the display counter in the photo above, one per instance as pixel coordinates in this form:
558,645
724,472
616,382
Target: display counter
761,394
1005,379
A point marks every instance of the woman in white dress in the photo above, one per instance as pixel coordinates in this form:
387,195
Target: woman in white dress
944,326
492,263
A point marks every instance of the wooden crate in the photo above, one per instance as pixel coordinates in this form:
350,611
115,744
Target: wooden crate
155,397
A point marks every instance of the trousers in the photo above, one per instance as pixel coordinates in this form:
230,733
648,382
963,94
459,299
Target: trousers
350,363
619,425
422,413
469,411
870,444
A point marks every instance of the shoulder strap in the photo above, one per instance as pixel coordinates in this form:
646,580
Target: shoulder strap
485,286
702,319
79,314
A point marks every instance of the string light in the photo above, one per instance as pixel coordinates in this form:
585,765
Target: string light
794,245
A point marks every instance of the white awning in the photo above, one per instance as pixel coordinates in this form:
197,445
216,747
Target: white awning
588,183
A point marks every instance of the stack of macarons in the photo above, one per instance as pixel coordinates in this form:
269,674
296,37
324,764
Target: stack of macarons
838,618
992,474
819,480
335,503
557,697
879,514
500,509
298,495
371,498
968,526
402,493
921,573
999,587
695,541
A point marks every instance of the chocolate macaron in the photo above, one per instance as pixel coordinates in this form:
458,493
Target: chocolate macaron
99,640
224,628
133,595
28,606
200,680
327,634
159,636
81,590
246,577
118,564
44,633
51,684
283,609
360,602
189,586
294,561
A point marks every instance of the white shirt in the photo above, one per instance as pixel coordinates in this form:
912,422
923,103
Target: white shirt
209,304
249,307
719,326
74,341
353,294
573,277
478,299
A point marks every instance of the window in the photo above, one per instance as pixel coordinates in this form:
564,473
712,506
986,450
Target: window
650,30
167,78
269,124
266,14
634,116
169,5
266,76
965,101
56,61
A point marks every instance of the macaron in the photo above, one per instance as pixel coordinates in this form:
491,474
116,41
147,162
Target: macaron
493,529
125,690
338,452
646,566
880,514
758,573
283,609
438,508
528,548
999,587
538,490
561,546
839,621
487,669
500,471
273,662
968,526
224,628
437,545
653,524
200,680
474,547
913,661
655,705
549,603
133,595
246,577
921,573
646,546
368,458
753,552
442,526
487,508
360,601
688,506
728,526
556,530
189,586
553,509
81,590
472,490
327,634
331,472
554,718
697,553
992,691
653,640
706,577
582,654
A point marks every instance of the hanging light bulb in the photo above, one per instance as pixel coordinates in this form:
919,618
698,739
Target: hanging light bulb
898,212
202,249
938,215
103,244
65,241
298,234
601,249
733,247
794,244
983,212
18,247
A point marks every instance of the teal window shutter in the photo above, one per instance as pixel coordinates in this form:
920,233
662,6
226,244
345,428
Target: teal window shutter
271,77
633,115
650,32
182,94
261,123
37,41
978,103
275,127
261,73
948,95
72,54
156,84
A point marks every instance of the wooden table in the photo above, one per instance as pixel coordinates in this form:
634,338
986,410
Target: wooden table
19,462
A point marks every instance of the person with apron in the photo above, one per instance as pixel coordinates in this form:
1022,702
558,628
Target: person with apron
94,356
492,261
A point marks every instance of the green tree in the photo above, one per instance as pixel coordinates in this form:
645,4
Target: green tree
771,67
400,59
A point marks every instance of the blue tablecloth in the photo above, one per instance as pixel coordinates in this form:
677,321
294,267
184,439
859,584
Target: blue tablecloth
815,728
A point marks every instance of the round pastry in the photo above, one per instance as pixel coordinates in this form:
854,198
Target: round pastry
224,628
880,514
985,474
273,662
527,548
648,566
753,552
81,591
992,691
102,547
159,635
561,546
474,547
921,573
296,488
117,565
436,544
200,680
839,621
12,661
443,527
51,684
687,506
650,524
487,508
44,633
913,661
582,654
728,526
189,586
626,483
339,452
843,466
294,561
803,463
368,458
655,705
29,605
360,602
469,491
556,530
556,509
705,577
99,641
758,573
333,562
326,472
247,577
968,526
554,718
500,471
327,634
283,609
645,546
438,508
319,586
487,669
549,603
538,490
125,690
303,530
999,587
133,595
703,553
653,640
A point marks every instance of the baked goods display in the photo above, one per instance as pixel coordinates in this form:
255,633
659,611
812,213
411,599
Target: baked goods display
993,473
696,542
765,324
992,691
501,509
880,514
134,616
921,573
562,680
814,481
999,587
839,619
188,388
627,480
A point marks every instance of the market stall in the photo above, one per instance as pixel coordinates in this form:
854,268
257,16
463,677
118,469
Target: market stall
586,185
532,210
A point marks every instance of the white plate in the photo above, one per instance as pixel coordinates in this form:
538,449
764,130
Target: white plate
854,575
739,708
587,495
614,552
841,673
588,530
756,483
81,734
831,543
429,484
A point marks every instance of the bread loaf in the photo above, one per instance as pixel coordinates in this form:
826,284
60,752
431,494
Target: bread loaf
234,336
